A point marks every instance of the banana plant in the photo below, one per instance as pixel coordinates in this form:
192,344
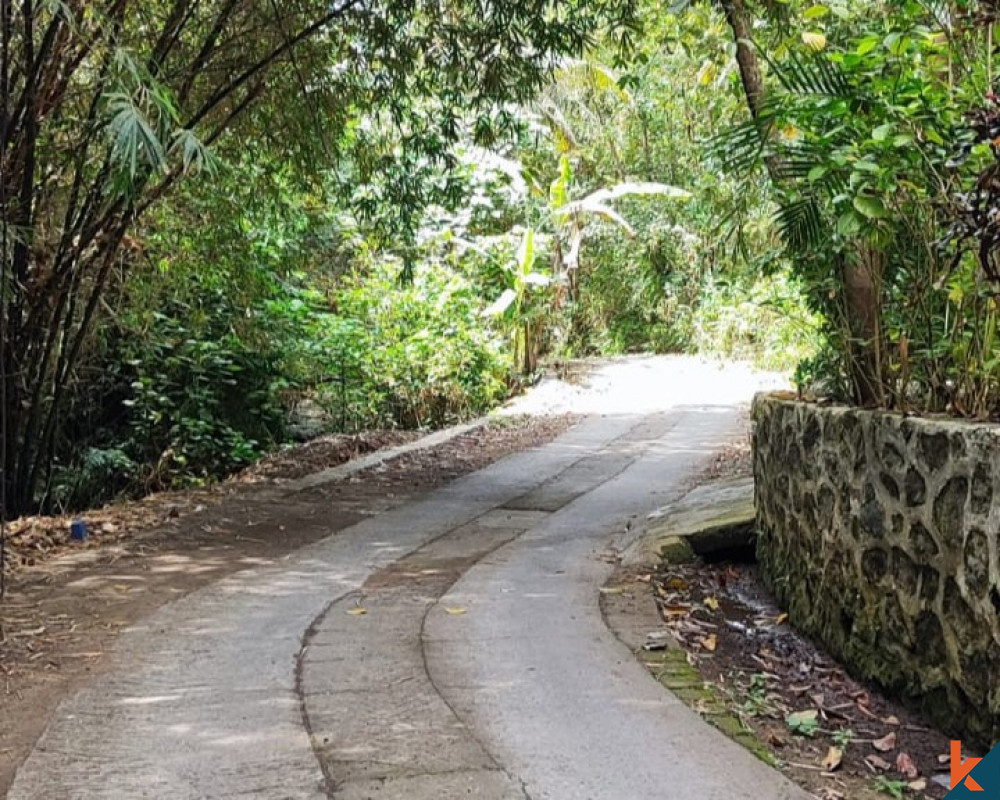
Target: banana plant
522,305
562,232
571,215
570,218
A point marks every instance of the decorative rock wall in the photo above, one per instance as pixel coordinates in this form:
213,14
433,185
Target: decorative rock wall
879,534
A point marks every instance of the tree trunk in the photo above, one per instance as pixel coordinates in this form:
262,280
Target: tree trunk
746,58
861,280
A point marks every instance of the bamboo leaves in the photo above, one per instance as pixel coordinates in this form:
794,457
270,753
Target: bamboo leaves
135,142
194,154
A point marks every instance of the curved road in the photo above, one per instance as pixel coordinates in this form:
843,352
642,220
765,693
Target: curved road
451,648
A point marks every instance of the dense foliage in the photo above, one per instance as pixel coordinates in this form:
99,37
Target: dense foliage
229,225
877,124
105,107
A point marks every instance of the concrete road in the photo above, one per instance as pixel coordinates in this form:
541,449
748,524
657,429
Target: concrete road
451,648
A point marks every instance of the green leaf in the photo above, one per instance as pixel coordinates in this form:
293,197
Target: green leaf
866,45
816,12
848,224
559,190
897,43
135,141
195,156
526,253
882,132
816,173
869,206
803,723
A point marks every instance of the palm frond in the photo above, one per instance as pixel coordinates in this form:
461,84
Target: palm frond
801,225
812,74
740,149
804,160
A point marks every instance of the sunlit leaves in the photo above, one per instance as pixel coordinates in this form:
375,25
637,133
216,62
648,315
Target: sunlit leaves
889,180
815,40
501,304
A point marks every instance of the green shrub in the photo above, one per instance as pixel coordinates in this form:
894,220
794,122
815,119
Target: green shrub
413,355
766,322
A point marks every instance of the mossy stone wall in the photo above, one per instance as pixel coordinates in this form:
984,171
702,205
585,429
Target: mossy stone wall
879,534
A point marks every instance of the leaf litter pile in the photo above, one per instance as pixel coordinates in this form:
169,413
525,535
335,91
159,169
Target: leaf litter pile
33,540
840,739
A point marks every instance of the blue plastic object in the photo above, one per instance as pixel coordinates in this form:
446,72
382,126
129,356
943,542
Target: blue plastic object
78,530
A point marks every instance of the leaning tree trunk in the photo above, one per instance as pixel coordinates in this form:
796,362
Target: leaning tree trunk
862,279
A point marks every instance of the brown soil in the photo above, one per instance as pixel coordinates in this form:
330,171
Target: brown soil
34,540
319,454
67,602
765,671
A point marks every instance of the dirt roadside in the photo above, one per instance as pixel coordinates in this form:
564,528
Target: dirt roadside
67,603
713,634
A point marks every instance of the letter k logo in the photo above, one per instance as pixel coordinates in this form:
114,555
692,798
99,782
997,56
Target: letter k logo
961,769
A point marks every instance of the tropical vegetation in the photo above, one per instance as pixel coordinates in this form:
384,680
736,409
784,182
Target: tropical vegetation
217,215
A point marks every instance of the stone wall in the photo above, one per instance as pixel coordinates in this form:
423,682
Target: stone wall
879,534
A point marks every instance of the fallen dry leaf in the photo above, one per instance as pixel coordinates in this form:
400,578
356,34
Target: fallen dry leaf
358,611
710,642
455,611
703,707
782,619
833,759
892,720
711,603
878,763
906,767
775,740
917,786
886,743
